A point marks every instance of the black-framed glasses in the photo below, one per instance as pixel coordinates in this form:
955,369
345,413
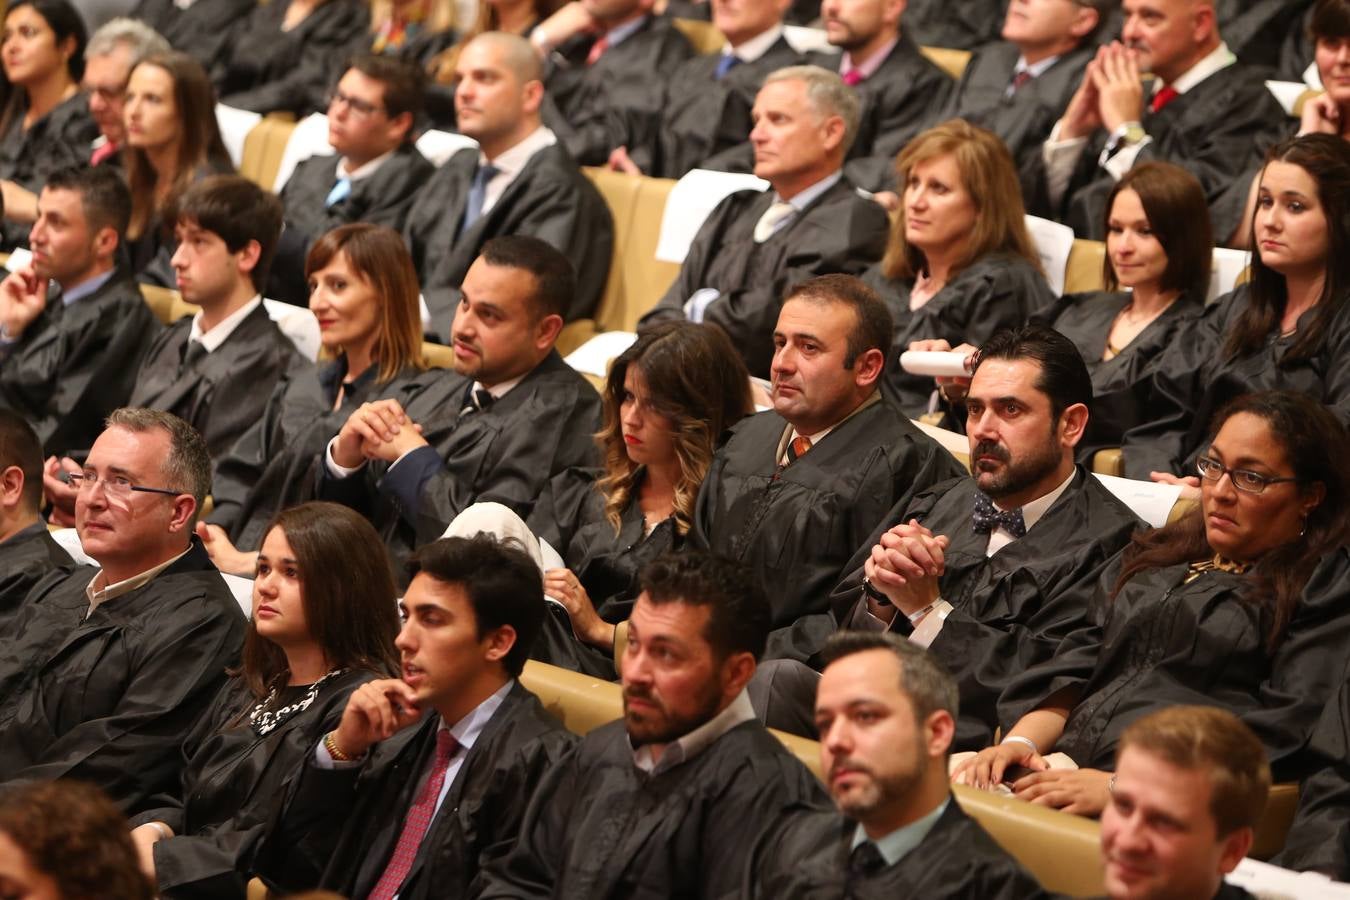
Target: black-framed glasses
116,486
355,104
1245,480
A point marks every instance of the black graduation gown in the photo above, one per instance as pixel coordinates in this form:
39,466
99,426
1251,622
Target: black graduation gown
504,453
1013,610
271,467
1217,130
796,528
339,827
1192,380
26,557
1255,29
838,232
587,106
961,24
109,698
265,69
382,199
806,857
224,392
75,364
1166,643
232,777
1120,398
549,199
995,291
599,827
1025,119
703,123
57,140
897,100
202,31
570,515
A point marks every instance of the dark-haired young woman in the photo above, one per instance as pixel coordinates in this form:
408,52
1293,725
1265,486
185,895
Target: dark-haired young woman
1237,605
324,621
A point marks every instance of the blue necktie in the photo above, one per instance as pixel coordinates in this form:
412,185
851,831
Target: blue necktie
341,191
473,209
987,517
728,62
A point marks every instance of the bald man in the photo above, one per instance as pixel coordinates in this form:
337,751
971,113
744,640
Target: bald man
520,181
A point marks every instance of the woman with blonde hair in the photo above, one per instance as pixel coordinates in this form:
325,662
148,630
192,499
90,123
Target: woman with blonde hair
364,292
960,264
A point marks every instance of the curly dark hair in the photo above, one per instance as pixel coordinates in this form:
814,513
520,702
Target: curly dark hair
72,833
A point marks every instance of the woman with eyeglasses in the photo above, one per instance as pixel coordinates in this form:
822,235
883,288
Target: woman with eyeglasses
172,140
1237,604
324,621
1288,328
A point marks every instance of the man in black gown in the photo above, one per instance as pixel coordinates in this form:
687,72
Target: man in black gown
106,670
1204,111
1190,787
521,180
73,325
797,489
509,417
993,572
959,24
373,175
886,713
897,84
754,247
472,611
664,803
27,551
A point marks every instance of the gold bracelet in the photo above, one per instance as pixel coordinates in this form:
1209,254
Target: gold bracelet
331,746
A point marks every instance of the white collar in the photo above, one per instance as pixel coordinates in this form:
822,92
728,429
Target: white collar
803,198
467,730
100,595
757,46
509,162
501,389
1035,69
364,171
1216,60
224,328
688,746
1032,512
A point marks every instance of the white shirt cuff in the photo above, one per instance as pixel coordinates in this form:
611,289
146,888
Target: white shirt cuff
1124,158
339,471
1060,158
698,304
324,760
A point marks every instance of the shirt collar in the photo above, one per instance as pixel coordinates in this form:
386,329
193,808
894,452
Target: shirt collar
1035,69
690,745
1216,60
501,389
468,729
1032,512
98,596
897,845
364,171
224,328
510,162
86,287
620,33
804,198
816,438
757,46
868,67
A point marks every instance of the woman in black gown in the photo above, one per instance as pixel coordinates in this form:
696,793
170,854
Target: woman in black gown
667,401
364,292
1237,605
324,622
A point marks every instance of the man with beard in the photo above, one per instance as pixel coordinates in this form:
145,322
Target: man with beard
886,713
664,802
506,419
993,572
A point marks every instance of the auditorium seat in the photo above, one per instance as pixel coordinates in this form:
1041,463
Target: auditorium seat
1084,272
438,356
703,36
646,278
953,62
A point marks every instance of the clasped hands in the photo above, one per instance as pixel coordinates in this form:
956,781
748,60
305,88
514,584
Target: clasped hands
1110,95
1083,792
905,566
378,430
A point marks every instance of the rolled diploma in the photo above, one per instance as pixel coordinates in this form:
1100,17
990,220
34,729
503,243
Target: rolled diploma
934,362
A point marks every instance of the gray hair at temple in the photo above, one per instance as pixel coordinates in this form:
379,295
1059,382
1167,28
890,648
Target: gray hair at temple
828,96
928,685
136,36
188,466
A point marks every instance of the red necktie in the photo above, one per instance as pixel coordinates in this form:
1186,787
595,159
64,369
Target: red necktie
597,50
417,822
1019,79
1164,96
852,77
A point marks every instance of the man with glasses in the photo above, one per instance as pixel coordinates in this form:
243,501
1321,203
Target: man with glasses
374,174
106,669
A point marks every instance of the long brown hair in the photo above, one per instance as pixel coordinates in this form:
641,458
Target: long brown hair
990,177
1314,443
378,254
348,593
199,141
1174,203
442,65
696,379
1326,159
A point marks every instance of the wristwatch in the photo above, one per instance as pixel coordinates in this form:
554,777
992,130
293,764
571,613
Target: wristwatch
871,591
1127,135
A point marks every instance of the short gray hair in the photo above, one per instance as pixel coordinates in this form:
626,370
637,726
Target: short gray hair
136,36
828,96
188,467
929,687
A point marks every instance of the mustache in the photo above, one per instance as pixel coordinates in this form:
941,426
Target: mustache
991,448
847,762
